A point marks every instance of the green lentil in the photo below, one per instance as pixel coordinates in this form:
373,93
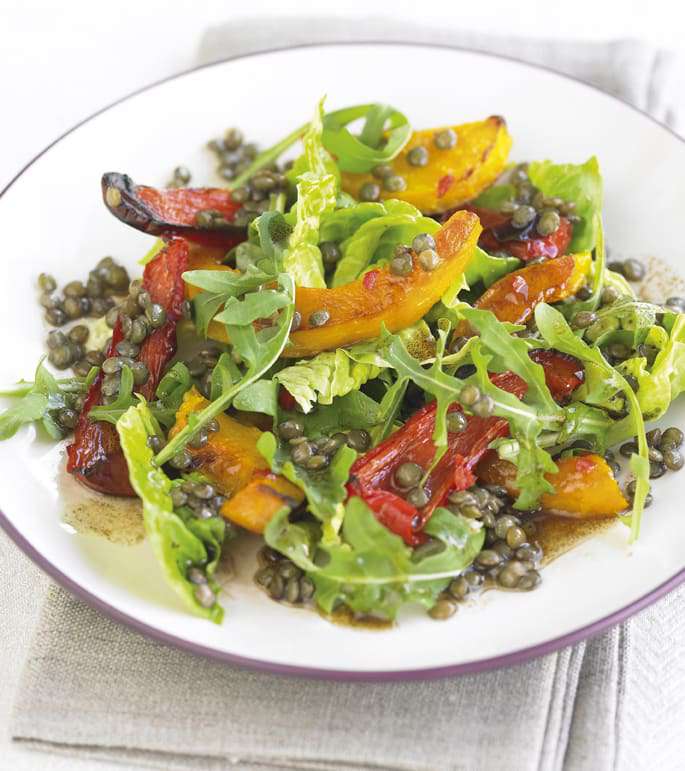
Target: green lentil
319,318
429,259
469,395
523,216
418,156
443,609
634,270
445,139
408,475
548,223
370,191
418,497
359,440
394,183
584,319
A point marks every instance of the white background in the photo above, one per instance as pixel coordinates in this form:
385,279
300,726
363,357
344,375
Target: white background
61,61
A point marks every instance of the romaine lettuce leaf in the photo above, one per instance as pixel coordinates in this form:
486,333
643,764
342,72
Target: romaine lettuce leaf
316,195
177,544
376,238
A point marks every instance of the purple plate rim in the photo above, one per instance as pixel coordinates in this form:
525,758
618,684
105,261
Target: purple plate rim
470,667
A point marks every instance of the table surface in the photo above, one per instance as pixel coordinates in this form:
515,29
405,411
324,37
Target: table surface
58,65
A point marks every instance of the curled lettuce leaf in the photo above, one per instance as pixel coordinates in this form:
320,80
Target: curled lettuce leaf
316,195
486,269
335,373
660,385
579,183
177,543
376,237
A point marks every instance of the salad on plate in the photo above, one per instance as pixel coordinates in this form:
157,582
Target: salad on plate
391,357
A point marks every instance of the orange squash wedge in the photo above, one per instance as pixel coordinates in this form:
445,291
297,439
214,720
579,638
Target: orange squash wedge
452,176
584,487
231,461
358,310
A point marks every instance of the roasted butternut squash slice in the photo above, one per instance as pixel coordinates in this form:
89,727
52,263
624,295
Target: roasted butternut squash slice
231,461
584,487
359,309
452,176
513,297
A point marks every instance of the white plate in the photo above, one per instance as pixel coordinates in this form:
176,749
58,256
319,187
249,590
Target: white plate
52,219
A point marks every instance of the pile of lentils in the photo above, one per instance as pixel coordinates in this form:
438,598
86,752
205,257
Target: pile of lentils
281,579
510,558
390,182
664,454
531,209
316,454
93,299
201,500
233,156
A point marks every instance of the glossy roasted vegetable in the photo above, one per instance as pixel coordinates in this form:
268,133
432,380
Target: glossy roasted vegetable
173,211
95,457
451,176
513,297
525,243
230,460
358,310
371,476
584,486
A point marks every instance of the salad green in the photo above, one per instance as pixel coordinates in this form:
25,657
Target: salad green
389,394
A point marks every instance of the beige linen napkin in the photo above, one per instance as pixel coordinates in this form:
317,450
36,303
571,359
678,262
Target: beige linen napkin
93,689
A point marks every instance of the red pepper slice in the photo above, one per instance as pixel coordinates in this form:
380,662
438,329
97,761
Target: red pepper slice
372,474
172,211
498,236
95,457
563,373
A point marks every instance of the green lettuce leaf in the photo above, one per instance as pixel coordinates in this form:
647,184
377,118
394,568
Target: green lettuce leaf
37,401
316,195
486,269
526,426
601,379
176,543
377,237
495,196
325,490
580,183
660,385
372,571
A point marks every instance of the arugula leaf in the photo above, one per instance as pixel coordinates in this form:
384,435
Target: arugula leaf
557,333
579,183
37,400
386,131
389,409
526,426
316,194
486,269
205,307
259,305
152,252
177,544
258,350
511,353
325,489
260,396
354,410
372,571
230,283
377,238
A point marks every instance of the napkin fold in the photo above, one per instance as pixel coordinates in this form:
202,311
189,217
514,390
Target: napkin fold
93,689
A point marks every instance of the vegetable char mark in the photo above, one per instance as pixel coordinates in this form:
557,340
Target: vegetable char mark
174,211
373,475
95,457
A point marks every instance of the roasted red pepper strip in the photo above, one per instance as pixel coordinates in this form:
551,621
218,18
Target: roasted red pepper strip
372,474
526,244
563,373
95,457
173,211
